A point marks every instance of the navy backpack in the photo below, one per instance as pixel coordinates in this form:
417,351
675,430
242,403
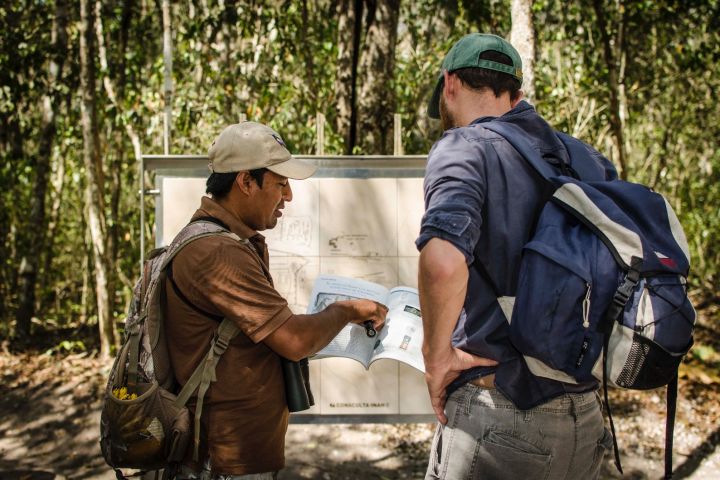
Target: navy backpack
602,290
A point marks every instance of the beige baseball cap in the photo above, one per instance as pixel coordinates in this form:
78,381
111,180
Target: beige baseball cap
251,145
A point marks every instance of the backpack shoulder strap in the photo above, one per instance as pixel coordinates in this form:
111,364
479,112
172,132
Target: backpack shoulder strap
226,332
204,374
581,161
517,138
153,274
210,219
193,231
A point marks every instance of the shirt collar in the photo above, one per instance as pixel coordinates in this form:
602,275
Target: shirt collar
520,109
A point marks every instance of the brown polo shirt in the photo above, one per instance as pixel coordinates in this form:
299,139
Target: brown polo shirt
245,416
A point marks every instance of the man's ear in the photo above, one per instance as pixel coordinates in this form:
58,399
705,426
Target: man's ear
449,84
245,182
521,95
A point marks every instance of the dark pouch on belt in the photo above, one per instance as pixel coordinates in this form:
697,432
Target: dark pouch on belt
297,385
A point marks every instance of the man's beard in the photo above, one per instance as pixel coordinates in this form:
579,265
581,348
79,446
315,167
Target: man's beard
447,121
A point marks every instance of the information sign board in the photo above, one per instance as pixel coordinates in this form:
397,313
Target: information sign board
357,217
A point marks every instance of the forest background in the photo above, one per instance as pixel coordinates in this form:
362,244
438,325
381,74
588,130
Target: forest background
86,87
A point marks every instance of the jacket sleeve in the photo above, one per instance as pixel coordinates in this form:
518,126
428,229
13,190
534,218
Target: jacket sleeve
454,190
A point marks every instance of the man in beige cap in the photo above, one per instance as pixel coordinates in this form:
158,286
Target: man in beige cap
245,414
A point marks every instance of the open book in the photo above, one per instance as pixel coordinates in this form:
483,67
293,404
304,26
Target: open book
400,338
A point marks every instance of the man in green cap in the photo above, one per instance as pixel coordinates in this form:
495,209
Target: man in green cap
498,419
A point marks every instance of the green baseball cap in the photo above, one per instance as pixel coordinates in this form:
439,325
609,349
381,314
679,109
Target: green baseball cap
466,53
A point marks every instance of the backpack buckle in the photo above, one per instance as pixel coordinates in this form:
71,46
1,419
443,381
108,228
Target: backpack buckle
220,345
620,299
623,292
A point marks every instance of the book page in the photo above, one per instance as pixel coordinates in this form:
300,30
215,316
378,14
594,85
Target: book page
401,338
399,297
352,341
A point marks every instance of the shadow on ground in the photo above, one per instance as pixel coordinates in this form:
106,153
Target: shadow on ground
55,422
50,409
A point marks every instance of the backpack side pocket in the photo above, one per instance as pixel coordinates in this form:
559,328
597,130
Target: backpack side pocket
551,320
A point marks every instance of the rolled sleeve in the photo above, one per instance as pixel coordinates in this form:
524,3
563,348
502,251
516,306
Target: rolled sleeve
455,227
454,194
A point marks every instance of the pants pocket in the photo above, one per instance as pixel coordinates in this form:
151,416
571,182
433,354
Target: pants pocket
604,446
502,455
433,470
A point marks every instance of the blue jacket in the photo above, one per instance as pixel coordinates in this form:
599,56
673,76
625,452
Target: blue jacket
484,198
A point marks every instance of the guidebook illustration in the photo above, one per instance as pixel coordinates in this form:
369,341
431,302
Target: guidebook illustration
400,338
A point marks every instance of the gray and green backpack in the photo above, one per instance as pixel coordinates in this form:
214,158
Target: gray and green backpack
145,424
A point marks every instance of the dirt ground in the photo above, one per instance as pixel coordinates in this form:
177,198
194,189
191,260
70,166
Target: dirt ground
49,427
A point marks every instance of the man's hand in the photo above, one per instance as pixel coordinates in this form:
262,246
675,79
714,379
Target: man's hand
304,335
441,371
362,310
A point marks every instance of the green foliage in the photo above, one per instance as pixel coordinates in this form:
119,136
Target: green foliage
276,62
705,353
67,346
428,30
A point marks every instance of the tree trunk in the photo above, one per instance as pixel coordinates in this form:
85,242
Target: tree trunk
616,118
85,294
56,195
94,187
376,101
622,93
228,33
40,162
522,37
308,58
349,32
167,74
10,142
115,93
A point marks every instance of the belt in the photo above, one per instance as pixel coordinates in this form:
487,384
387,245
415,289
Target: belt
488,381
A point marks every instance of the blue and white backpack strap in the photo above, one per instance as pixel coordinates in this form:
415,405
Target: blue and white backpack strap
585,203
